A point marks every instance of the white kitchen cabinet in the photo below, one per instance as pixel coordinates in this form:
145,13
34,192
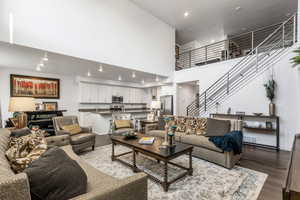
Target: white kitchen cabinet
84,92
101,93
96,93
126,95
93,93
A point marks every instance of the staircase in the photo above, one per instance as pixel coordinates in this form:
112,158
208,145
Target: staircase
261,58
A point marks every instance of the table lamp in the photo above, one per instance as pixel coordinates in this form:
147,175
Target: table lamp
21,105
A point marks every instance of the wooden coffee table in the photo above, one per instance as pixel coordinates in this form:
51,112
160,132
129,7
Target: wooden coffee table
154,151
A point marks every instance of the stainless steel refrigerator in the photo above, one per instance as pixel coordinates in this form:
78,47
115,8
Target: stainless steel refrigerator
166,105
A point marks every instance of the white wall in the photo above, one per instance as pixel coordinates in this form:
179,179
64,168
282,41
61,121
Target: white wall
114,32
252,98
68,91
186,94
206,75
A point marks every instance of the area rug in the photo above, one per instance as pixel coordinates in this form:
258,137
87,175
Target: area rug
209,181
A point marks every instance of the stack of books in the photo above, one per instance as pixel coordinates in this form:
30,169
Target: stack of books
146,140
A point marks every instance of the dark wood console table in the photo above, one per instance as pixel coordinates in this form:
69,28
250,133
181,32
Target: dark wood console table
259,130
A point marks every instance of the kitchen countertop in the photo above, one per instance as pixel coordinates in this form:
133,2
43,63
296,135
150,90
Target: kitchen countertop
131,112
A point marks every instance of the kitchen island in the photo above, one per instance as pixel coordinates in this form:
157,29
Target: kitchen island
99,119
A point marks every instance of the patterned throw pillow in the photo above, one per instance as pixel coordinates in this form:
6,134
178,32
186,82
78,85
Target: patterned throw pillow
201,125
180,123
191,126
23,150
72,129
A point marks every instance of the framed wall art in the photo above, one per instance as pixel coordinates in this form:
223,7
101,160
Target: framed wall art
36,87
50,106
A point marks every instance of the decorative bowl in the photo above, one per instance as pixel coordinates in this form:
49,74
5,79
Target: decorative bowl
257,114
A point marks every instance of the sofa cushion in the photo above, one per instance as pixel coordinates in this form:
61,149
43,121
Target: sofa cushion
235,125
161,134
191,126
69,179
82,138
73,129
201,125
122,124
217,127
180,123
96,178
200,141
23,150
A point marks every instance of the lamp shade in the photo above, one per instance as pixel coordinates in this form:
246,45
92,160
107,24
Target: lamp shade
155,105
21,104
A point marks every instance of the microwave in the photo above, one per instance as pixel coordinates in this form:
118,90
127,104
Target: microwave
117,99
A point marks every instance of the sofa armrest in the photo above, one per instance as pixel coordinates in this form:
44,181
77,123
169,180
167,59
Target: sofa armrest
134,187
150,127
15,187
86,129
60,140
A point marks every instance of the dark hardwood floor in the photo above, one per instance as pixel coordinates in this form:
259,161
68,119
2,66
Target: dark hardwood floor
264,160
270,162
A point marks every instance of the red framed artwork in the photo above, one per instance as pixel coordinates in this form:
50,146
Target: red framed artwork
36,87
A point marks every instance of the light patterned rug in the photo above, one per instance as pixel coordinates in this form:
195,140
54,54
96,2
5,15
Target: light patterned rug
209,181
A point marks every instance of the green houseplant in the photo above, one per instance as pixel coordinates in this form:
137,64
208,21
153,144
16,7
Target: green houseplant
270,87
296,59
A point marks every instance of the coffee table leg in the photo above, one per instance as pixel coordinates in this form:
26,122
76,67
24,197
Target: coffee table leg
191,164
134,161
113,152
165,183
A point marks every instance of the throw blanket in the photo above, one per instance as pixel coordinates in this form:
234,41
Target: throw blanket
232,141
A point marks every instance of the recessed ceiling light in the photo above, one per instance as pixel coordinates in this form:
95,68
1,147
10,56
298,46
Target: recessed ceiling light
100,68
120,78
38,68
186,14
238,8
45,58
212,41
133,75
88,73
143,81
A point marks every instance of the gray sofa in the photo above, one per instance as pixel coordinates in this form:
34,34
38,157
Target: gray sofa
203,148
100,185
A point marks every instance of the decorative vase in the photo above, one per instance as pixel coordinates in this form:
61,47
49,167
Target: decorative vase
272,109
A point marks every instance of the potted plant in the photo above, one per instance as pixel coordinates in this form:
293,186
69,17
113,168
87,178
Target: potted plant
296,59
270,92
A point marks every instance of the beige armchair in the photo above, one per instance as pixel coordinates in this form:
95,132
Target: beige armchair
121,123
79,141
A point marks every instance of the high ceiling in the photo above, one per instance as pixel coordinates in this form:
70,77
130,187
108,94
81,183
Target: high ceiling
213,19
20,57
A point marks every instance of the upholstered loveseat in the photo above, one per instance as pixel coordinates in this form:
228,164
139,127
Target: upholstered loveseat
100,186
203,148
